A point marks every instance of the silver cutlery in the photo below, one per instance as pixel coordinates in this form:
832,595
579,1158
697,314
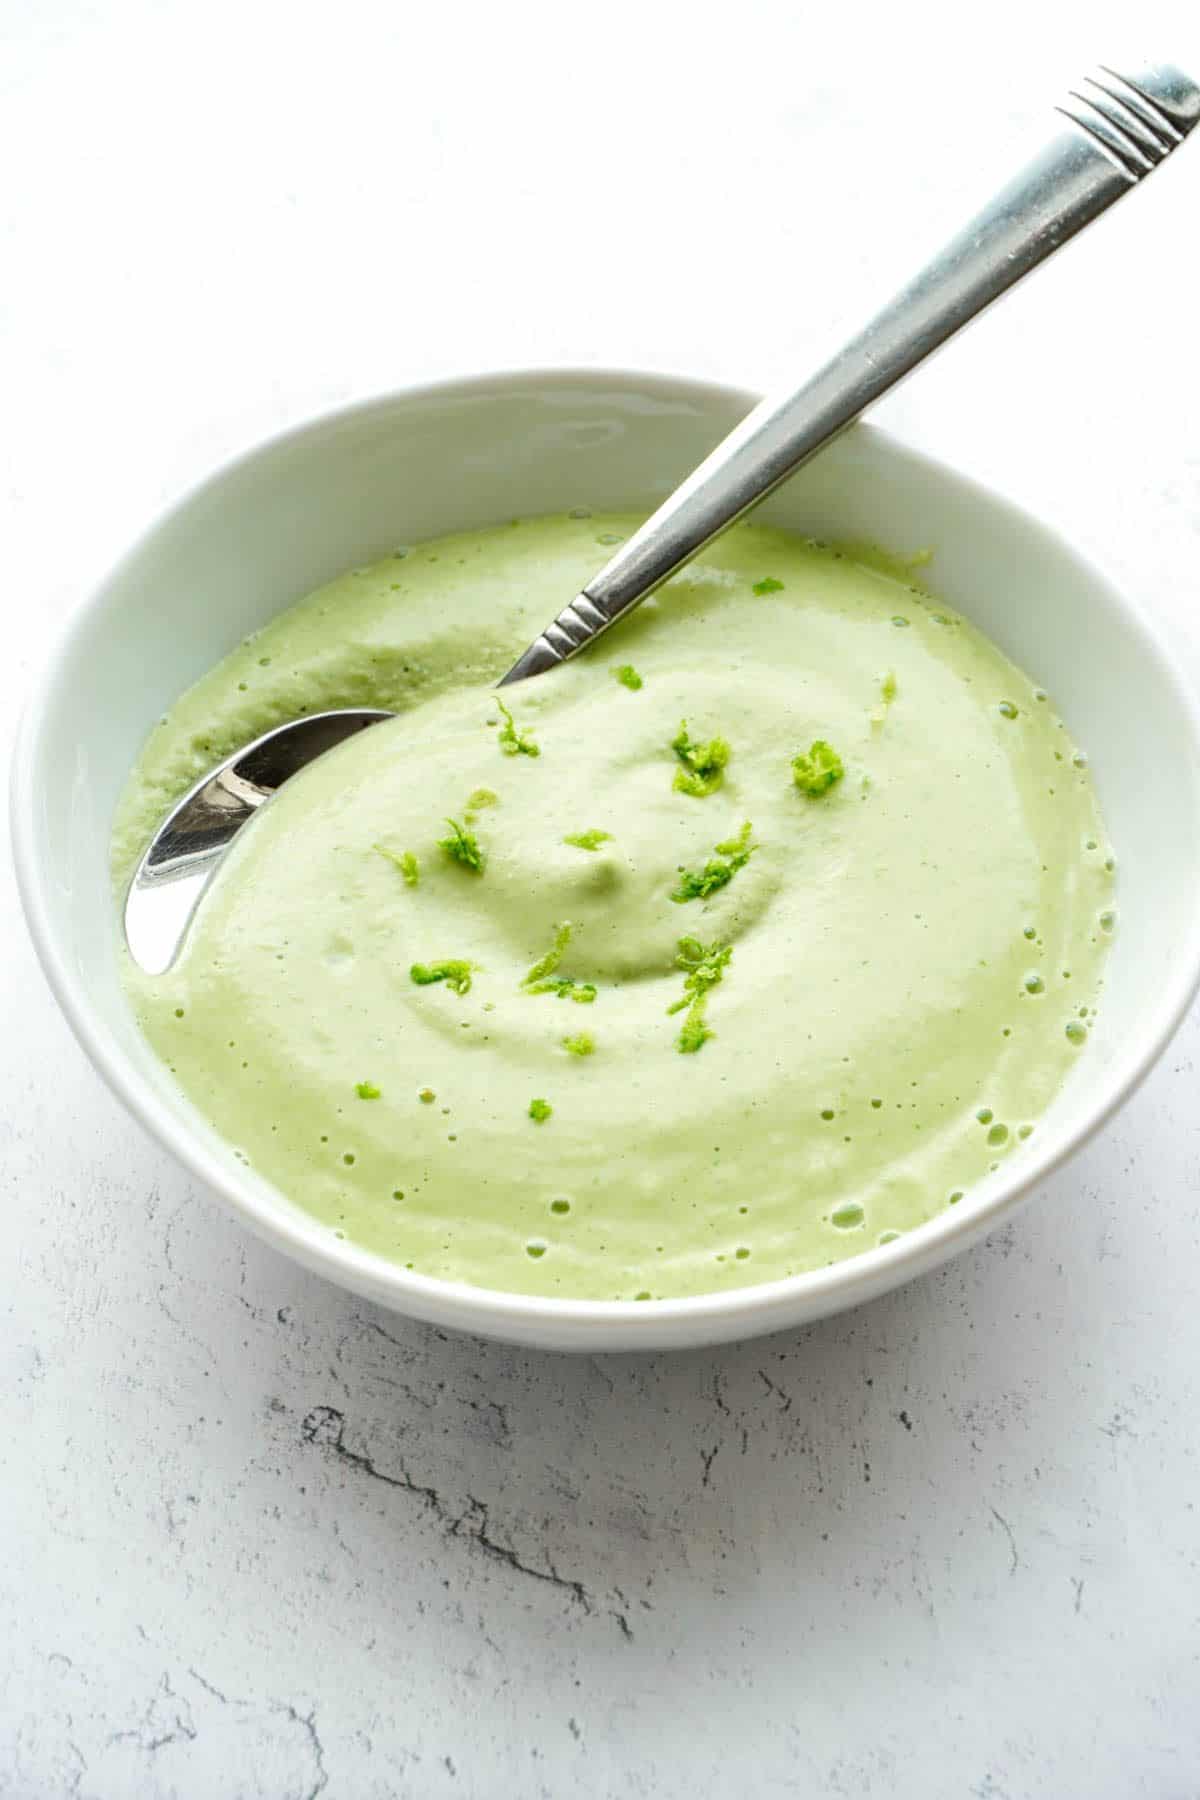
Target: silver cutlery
1118,128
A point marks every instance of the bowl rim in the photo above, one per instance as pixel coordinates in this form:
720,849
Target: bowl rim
589,1324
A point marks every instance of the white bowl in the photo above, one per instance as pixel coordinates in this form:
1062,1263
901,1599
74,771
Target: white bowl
280,521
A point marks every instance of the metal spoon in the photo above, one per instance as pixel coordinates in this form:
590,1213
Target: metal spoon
192,839
1121,127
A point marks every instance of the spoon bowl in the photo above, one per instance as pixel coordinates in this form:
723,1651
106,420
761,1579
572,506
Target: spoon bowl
191,842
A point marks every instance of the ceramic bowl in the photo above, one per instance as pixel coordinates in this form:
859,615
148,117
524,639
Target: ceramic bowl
290,515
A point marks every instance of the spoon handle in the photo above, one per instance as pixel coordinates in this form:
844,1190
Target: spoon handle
1121,128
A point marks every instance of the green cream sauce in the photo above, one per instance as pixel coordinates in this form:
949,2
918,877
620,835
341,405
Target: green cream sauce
914,950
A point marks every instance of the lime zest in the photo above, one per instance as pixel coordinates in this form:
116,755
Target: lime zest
541,978
703,768
693,1034
588,840
698,884
452,970
513,742
404,860
887,693
477,800
703,969
628,677
814,771
462,846
546,965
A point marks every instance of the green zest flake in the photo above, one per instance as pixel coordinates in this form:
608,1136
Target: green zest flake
703,969
455,974
698,884
703,768
546,965
366,1090
887,693
539,1111
582,992
462,847
479,799
693,1034
541,979
406,863
816,772
512,741
768,585
628,677
588,840
582,1044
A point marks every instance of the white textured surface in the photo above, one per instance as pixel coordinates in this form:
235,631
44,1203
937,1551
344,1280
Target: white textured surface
261,1540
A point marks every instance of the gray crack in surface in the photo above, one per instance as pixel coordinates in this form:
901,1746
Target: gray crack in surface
307,1723
1008,1532
157,1731
325,1428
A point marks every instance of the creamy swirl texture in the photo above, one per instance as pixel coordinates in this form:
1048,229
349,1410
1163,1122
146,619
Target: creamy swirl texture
743,943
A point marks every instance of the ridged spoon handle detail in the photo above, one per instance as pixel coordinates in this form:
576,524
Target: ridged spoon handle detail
1120,128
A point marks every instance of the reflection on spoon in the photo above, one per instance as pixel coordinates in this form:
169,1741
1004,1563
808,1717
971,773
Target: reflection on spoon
192,839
